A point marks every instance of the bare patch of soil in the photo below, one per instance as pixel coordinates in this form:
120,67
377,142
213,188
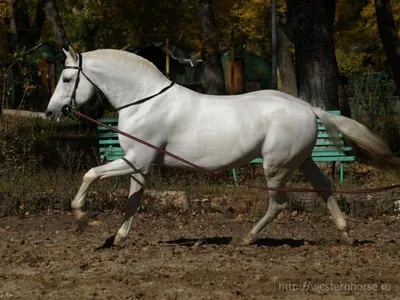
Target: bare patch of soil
189,257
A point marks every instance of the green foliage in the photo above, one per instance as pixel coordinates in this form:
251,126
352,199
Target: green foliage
351,63
7,66
357,35
248,21
117,23
3,10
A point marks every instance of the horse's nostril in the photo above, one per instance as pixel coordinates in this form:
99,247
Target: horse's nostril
48,114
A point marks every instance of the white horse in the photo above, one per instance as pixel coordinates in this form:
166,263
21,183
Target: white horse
215,132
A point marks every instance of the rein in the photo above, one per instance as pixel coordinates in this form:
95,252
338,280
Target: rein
72,106
216,174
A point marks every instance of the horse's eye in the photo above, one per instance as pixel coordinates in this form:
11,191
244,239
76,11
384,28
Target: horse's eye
66,79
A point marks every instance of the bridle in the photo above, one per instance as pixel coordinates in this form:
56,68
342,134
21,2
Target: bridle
72,106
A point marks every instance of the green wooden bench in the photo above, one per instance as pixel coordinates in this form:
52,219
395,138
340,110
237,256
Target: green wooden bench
109,147
324,150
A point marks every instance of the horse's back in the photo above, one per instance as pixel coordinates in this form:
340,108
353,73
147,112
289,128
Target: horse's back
223,131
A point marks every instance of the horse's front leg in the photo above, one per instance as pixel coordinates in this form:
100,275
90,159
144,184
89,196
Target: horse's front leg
119,167
135,193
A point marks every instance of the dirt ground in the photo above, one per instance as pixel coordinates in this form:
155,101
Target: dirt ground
189,257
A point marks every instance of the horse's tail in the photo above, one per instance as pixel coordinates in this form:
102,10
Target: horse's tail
360,135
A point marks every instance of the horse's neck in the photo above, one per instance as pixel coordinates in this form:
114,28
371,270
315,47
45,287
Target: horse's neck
124,83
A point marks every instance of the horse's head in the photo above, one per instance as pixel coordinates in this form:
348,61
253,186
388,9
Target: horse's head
72,89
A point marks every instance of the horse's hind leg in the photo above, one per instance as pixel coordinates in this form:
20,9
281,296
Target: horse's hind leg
321,182
276,203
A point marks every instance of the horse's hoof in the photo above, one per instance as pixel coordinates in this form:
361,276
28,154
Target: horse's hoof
109,243
249,240
242,241
118,240
346,239
82,220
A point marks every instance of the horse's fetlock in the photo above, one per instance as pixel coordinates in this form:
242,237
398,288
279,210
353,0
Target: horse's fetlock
76,206
341,224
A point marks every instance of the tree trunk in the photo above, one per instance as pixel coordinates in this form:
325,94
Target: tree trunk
286,68
20,37
343,99
22,33
312,27
37,25
13,35
56,24
274,46
389,38
213,71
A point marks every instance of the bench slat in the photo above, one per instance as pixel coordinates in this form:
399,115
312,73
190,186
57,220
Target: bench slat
108,120
328,154
325,143
109,142
326,149
327,136
257,161
108,155
107,135
334,158
104,129
112,150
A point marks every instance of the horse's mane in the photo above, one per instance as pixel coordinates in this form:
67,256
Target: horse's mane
129,58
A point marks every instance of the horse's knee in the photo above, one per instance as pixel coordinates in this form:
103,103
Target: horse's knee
90,176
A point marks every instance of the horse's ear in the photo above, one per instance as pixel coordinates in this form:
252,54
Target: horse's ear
70,54
66,53
73,54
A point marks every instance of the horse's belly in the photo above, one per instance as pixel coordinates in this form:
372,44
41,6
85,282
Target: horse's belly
212,163
217,155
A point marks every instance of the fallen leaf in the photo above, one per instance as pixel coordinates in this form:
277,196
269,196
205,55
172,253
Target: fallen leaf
336,249
95,223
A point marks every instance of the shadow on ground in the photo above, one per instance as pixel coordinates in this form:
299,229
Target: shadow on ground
269,242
